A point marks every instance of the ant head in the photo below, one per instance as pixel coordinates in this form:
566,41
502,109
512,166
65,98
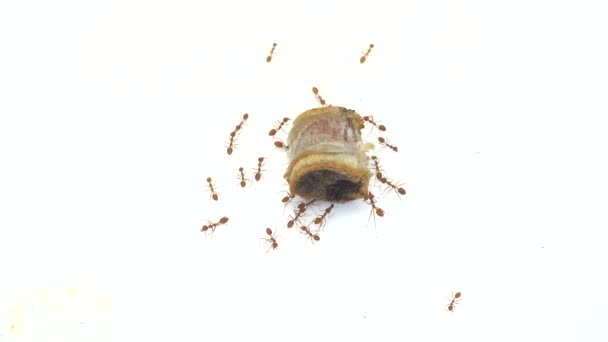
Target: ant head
208,179
316,237
457,295
315,90
260,159
371,45
245,116
241,169
268,231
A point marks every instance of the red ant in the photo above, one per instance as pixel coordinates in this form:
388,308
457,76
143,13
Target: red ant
280,144
299,212
301,209
384,142
364,57
269,58
455,300
272,239
377,167
231,143
288,198
319,98
214,194
244,180
320,220
375,210
278,128
212,226
258,171
311,236
370,119
392,186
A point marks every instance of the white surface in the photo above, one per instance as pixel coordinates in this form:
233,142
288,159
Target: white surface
113,113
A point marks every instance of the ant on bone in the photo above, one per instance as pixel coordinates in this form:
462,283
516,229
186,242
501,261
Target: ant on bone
385,143
319,98
452,306
214,194
211,226
280,124
313,237
364,57
370,120
233,137
243,180
269,58
258,171
272,239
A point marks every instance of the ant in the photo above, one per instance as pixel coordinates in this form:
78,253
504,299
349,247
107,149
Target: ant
311,236
244,180
299,212
320,220
269,58
214,194
301,209
454,301
212,226
233,134
288,198
272,239
370,119
364,57
392,186
231,144
375,209
280,144
319,98
279,126
384,142
258,171
377,167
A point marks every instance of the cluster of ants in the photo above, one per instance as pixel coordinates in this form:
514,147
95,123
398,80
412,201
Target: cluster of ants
312,228
316,222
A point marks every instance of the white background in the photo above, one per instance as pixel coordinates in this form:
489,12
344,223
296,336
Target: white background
113,113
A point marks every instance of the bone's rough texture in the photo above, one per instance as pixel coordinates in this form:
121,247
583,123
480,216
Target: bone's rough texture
327,157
